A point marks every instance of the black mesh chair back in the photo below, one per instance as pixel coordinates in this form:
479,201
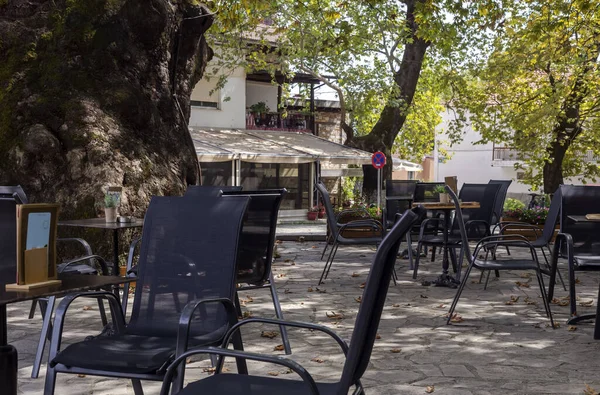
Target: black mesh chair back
499,204
189,251
331,219
581,200
553,216
215,190
424,192
485,195
257,241
373,300
10,196
399,195
459,219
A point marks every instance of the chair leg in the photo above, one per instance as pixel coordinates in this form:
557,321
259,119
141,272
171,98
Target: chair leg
549,267
545,297
238,307
50,383
417,259
137,387
328,262
487,278
332,258
507,251
458,292
34,303
326,245
573,302
410,254
452,254
279,314
46,307
433,253
460,263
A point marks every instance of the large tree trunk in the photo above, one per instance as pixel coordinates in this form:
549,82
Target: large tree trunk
95,93
393,116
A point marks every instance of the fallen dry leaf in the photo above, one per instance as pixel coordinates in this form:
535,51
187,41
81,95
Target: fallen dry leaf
355,274
317,360
310,289
525,275
273,373
210,370
321,291
590,391
396,350
334,315
247,314
429,389
359,299
587,303
572,328
513,300
86,308
362,285
456,318
287,291
424,296
81,376
281,275
188,360
269,334
278,347
577,281
522,284
378,336
396,305
441,306
556,325
288,260
560,302
528,300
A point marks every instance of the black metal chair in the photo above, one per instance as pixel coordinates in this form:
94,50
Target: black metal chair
399,195
490,243
257,244
477,222
426,192
543,238
215,190
337,230
500,198
357,354
188,257
578,242
10,196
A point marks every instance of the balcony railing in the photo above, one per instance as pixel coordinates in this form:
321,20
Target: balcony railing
274,121
511,154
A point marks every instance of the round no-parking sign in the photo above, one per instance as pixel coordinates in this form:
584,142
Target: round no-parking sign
378,159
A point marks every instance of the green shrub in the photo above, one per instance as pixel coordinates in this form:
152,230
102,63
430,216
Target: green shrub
511,204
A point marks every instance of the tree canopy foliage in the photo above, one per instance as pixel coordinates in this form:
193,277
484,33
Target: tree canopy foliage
534,84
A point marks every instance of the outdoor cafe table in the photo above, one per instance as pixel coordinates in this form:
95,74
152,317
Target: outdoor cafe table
445,279
575,320
100,223
70,283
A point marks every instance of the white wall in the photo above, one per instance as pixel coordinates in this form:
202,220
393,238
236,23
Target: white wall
261,91
232,105
472,163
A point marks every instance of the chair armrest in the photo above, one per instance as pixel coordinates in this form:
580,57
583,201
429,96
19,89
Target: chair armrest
521,225
304,325
130,255
59,318
293,365
498,240
103,264
187,313
362,223
85,244
426,221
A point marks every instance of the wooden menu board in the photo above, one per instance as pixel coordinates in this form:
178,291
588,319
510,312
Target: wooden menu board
36,246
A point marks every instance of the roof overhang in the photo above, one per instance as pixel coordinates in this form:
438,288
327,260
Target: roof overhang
271,146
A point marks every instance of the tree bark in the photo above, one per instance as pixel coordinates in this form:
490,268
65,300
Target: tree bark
96,93
393,116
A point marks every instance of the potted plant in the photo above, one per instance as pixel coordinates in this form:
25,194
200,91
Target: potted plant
321,211
441,191
111,201
312,213
259,111
535,218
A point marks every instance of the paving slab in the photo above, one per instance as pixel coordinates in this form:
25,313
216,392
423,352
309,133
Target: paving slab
503,345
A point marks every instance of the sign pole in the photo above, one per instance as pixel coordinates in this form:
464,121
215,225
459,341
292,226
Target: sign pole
378,191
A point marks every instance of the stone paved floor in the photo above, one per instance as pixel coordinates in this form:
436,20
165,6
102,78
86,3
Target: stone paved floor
498,348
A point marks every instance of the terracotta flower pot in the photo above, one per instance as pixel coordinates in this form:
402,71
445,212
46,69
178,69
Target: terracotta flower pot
321,213
312,215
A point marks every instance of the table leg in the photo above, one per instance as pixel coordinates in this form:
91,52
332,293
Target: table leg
8,359
116,258
597,324
445,263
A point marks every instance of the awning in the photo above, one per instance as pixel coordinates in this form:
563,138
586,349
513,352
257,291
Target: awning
268,146
401,164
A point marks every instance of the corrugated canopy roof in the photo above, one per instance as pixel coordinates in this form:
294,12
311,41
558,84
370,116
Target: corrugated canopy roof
267,146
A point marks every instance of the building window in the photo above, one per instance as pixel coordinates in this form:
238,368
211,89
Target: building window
520,175
206,94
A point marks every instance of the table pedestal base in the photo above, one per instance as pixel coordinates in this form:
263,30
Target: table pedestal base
8,367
